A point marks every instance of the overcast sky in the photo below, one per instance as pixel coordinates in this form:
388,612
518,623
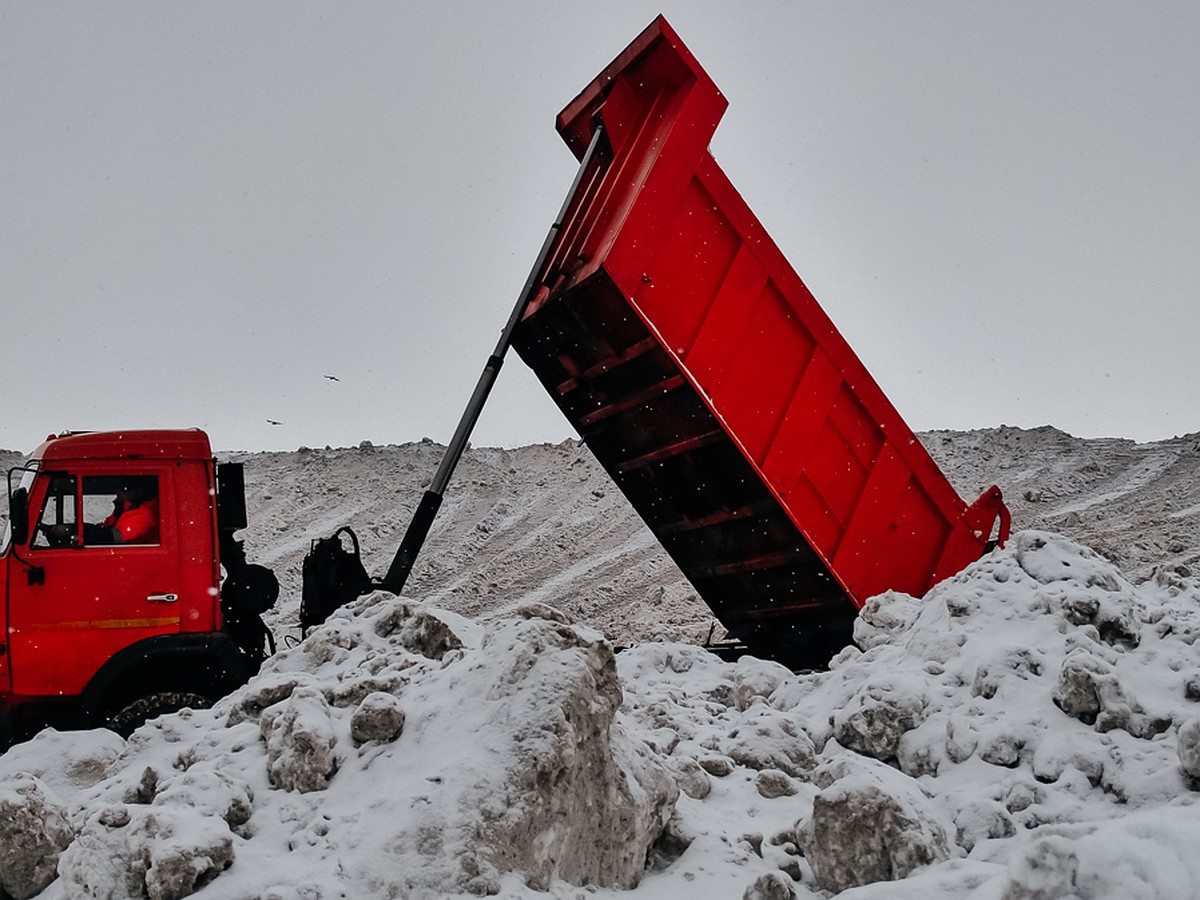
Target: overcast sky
209,207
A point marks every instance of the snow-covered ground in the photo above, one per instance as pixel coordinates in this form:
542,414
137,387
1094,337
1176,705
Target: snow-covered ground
1031,729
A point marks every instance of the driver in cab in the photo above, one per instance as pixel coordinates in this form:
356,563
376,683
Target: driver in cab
134,519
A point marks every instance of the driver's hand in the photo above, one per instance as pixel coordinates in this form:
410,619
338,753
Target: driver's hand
59,535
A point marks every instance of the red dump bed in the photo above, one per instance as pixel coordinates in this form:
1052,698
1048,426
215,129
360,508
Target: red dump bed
715,391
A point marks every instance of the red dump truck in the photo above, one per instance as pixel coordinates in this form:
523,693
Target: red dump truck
674,336
706,379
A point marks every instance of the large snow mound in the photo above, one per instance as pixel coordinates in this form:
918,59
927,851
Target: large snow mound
397,752
1028,730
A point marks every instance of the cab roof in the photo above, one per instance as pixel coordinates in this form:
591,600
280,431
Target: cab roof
185,443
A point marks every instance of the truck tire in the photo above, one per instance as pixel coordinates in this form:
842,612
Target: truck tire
128,717
160,675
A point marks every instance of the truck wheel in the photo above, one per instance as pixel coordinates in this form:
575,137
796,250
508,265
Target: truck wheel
131,716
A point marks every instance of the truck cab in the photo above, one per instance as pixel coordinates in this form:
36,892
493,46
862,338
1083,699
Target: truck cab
110,574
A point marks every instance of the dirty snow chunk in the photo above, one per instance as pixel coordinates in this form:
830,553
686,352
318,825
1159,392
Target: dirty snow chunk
1088,689
159,853
545,611
772,886
1051,558
771,783
416,629
67,762
180,867
169,836
1107,601
353,691
924,749
879,714
300,739
209,791
1149,853
104,861
766,738
995,669
1047,870
978,820
265,691
961,740
869,823
1000,748
583,801
378,718
1188,749
692,779
755,678
720,766
883,618
1062,748
662,741
34,831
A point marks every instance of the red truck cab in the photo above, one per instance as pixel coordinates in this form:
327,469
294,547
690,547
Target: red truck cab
104,623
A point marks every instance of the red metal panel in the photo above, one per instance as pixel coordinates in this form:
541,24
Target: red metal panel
188,443
714,389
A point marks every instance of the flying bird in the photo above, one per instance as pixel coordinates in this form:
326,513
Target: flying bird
333,378
273,422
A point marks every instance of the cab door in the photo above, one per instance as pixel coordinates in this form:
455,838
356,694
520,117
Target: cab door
82,593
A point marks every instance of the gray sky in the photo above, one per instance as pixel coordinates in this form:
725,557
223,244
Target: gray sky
208,207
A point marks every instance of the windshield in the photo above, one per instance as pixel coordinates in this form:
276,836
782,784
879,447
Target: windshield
28,472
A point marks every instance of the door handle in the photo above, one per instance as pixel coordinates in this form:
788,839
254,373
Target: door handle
162,598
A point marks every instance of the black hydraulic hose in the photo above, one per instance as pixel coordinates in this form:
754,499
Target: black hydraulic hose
422,520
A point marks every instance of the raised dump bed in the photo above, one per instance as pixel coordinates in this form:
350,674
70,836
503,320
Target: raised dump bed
713,388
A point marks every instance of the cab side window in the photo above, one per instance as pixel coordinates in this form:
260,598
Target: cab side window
116,509
57,523
120,509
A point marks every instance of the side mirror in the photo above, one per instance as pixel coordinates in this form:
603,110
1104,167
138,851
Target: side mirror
18,515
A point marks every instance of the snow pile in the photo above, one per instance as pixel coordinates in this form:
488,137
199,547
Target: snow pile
1038,691
395,753
1030,729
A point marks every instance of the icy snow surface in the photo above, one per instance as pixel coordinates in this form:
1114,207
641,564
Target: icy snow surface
1030,729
